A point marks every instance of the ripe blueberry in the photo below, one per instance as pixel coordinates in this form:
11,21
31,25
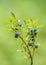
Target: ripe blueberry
31,31
35,31
36,45
33,39
17,34
32,36
30,44
20,24
16,28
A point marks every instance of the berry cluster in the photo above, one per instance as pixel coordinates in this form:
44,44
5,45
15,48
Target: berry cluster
17,28
33,35
35,46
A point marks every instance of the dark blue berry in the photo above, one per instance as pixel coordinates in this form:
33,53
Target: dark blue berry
36,45
33,39
32,36
17,34
16,28
30,44
31,31
20,24
35,31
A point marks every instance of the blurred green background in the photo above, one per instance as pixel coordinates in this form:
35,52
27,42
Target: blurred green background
24,9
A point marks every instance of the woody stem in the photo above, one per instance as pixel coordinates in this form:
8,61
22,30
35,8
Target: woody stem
29,52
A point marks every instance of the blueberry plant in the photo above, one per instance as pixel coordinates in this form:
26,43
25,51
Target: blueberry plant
27,31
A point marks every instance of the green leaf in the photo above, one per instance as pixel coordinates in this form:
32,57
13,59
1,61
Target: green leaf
13,15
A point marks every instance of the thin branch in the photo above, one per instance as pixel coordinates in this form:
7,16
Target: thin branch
29,52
